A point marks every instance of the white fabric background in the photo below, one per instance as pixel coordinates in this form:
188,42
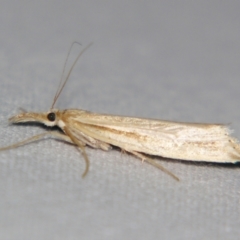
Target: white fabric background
175,60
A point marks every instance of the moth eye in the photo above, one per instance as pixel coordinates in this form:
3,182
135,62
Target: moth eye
51,117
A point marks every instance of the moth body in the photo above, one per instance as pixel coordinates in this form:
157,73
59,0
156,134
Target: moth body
185,141
140,137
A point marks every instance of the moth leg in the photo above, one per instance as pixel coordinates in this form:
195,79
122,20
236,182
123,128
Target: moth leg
66,138
38,137
81,146
123,151
105,146
152,162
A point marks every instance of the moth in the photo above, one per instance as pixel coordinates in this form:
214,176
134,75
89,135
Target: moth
143,138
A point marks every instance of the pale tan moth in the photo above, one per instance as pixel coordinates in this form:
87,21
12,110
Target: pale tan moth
140,137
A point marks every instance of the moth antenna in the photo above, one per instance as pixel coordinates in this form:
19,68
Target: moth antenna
22,110
64,67
63,83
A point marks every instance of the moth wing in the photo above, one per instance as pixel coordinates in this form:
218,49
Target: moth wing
199,142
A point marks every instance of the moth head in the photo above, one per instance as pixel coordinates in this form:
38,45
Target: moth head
51,118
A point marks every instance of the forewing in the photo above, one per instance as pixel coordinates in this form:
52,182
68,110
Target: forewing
200,142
